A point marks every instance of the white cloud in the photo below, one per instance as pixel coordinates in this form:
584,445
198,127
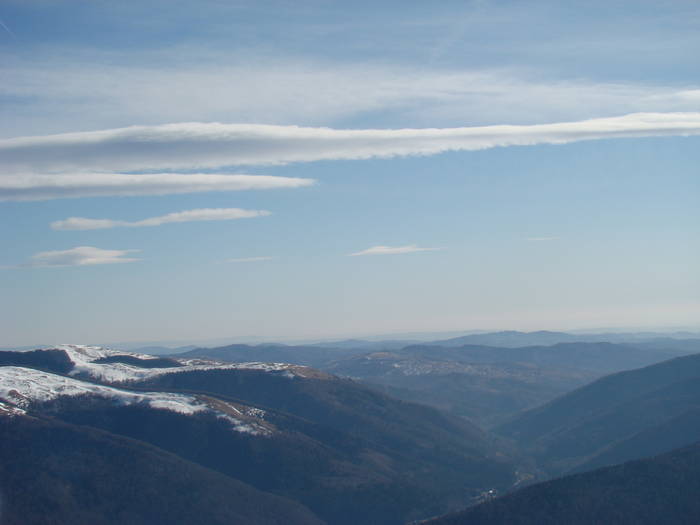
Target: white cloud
206,214
82,89
393,250
79,256
249,259
30,187
198,145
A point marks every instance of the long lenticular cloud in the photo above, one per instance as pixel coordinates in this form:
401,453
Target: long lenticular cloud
198,145
393,250
79,256
32,187
205,214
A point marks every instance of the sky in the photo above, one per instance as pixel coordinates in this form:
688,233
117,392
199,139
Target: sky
181,170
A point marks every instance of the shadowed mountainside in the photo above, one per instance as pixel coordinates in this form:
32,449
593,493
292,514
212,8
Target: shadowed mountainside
616,418
663,489
61,474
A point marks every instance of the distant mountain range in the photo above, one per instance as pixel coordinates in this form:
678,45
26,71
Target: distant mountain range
305,355
505,338
591,354
485,384
513,339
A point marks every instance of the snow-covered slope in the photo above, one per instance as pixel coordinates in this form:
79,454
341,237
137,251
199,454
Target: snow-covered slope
20,387
85,359
8,410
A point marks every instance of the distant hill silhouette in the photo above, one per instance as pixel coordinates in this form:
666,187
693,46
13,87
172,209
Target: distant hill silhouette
511,338
307,355
514,339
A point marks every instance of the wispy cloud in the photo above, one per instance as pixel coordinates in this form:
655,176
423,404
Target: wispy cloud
30,187
205,214
54,88
79,256
249,259
393,250
7,29
541,239
196,145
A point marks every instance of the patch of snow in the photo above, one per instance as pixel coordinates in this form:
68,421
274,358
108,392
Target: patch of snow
7,410
21,386
87,353
246,427
255,412
84,358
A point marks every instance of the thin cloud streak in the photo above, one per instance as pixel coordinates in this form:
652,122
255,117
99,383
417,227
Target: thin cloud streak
213,145
392,250
79,256
9,32
29,187
205,214
249,259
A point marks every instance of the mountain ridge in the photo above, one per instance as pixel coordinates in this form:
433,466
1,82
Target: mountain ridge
340,449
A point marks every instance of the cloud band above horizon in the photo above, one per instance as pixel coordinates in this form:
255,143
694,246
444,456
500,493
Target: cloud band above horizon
188,146
78,256
392,250
58,186
205,214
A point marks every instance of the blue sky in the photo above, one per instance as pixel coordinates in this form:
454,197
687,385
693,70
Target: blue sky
456,225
